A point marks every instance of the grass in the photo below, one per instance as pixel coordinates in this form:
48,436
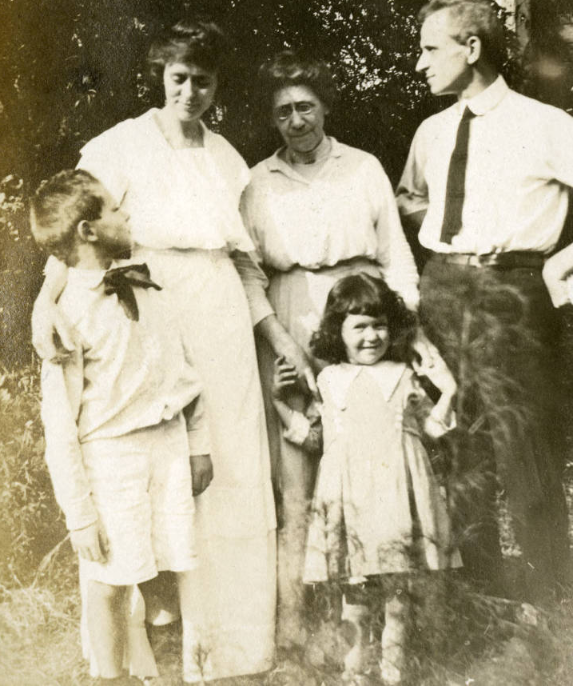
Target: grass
458,636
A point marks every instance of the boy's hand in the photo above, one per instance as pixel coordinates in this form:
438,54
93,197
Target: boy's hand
91,543
202,473
284,378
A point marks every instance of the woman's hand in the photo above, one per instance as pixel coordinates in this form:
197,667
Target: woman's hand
296,357
91,542
202,473
285,347
51,332
284,379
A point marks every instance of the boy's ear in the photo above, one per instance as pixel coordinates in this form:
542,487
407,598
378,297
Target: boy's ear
85,232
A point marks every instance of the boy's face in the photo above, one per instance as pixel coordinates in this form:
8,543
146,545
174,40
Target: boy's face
112,229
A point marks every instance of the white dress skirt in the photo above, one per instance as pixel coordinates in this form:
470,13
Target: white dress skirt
235,516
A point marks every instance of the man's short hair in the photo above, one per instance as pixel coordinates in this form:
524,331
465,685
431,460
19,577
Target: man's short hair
57,207
473,18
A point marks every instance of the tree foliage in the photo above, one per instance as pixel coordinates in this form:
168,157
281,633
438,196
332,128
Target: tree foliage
70,69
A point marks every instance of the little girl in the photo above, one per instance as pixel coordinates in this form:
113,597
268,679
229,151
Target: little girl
377,507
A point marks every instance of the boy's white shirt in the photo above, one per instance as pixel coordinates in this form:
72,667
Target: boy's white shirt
124,376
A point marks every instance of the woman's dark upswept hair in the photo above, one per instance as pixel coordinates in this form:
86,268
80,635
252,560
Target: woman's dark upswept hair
289,68
367,295
197,42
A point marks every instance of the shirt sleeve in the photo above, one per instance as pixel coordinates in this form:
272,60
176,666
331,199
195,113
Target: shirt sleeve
559,148
62,386
412,192
197,426
105,156
393,251
432,423
305,430
255,284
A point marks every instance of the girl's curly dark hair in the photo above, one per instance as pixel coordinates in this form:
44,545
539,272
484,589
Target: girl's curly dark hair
364,294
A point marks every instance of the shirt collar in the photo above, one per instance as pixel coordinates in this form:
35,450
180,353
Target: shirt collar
488,99
92,278
276,163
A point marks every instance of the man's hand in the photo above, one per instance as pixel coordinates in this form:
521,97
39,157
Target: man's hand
51,332
91,542
202,473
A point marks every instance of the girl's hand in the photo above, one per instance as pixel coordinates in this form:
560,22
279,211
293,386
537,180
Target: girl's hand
91,543
202,473
427,352
439,375
51,332
284,379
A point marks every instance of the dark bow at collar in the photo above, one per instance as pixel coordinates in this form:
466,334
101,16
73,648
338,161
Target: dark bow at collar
122,281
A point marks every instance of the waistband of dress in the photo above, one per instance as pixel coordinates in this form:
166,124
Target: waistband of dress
141,251
514,259
342,265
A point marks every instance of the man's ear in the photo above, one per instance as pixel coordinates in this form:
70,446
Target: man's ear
474,48
84,231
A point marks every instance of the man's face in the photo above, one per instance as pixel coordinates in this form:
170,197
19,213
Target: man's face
443,60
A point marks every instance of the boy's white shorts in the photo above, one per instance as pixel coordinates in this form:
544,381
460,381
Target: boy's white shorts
142,488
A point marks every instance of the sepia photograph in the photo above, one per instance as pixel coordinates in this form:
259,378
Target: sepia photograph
286,342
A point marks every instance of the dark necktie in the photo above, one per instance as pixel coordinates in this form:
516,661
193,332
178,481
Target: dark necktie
455,190
122,280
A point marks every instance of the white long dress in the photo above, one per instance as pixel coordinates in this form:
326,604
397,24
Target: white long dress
183,205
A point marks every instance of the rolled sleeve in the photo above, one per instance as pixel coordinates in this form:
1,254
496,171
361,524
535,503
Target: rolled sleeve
255,284
197,426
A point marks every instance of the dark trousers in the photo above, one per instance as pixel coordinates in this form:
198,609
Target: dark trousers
498,332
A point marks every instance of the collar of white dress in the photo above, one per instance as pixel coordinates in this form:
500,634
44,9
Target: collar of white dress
386,375
275,162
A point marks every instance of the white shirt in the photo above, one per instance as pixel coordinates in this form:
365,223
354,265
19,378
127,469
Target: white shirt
346,211
124,376
519,168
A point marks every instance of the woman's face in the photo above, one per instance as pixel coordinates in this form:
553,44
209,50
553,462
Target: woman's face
299,116
189,89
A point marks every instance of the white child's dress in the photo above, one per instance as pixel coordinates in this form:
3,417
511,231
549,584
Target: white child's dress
377,508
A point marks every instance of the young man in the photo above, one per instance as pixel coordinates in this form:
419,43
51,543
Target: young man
123,415
487,185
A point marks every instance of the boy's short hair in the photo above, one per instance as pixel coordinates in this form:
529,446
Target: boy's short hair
473,18
57,207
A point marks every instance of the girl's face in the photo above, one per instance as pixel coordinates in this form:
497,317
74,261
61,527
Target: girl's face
189,90
365,338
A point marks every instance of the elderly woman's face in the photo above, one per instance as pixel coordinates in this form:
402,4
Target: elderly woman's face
189,89
299,116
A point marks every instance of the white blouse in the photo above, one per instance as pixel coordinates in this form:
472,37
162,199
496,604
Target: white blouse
348,210
176,198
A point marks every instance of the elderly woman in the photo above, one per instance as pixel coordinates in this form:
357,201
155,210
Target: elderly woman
181,185
317,210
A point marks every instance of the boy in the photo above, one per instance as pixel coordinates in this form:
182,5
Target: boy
121,415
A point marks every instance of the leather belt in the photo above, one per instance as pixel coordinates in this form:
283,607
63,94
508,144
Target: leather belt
513,259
